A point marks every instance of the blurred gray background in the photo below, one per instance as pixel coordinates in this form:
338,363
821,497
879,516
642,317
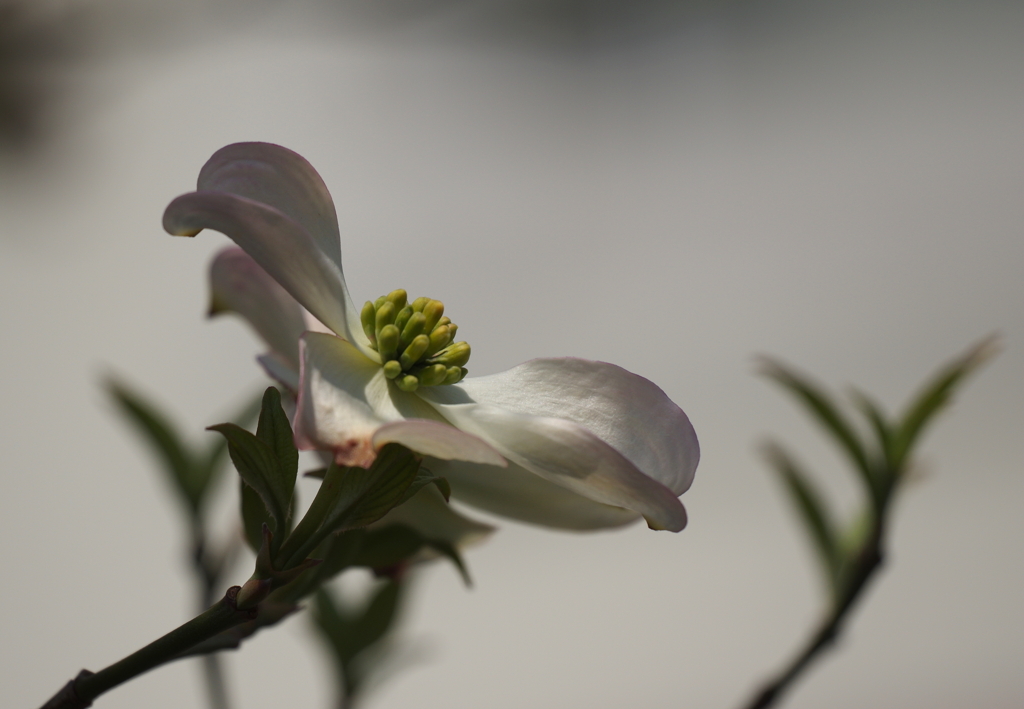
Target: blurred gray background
673,187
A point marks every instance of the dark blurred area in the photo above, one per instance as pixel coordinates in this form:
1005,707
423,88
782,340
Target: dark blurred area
36,50
48,50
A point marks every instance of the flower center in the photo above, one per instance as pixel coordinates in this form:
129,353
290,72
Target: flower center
415,341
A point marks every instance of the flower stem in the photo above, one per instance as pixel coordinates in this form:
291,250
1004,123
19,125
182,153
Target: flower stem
867,563
81,691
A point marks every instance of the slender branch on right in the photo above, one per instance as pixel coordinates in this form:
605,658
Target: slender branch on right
850,555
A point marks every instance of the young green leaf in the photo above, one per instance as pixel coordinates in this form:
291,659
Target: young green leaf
351,497
259,468
254,515
811,507
827,415
936,394
189,479
275,430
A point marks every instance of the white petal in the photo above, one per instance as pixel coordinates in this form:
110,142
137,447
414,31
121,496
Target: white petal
333,411
625,410
238,284
590,427
274,205
516,493
438,440
347,406
277,243
279,178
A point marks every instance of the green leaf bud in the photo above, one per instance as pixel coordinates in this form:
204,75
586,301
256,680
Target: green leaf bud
392,368
413,328
414,351
387,343
453,375
452,329
419,304
443,321
407,382
368,318
379,302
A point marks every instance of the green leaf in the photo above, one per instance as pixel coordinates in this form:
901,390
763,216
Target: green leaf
213,460
937,394
351,497
424,478
369,494
188,478
388,546
275,430
258,466
351,633
394,544
254,515
811,508
829,416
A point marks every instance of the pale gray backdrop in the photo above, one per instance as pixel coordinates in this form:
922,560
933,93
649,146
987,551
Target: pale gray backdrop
840,187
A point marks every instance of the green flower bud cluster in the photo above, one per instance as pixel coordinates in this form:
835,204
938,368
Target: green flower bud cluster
415,341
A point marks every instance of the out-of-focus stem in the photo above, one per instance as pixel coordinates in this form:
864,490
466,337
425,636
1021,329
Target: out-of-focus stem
867,563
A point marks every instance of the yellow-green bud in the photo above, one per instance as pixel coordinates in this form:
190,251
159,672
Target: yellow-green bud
417,322
456,355
416,349
432,375
387,343
368,318
403,317
433,310
398,297
439,339
407,382
414,340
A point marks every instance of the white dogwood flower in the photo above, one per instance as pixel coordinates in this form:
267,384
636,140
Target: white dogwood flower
566,442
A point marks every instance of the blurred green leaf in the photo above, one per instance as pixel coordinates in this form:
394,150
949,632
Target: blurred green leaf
395,544
937,394
821,408
189,478
812,511
350,633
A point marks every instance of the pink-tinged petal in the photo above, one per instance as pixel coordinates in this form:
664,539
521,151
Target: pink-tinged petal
438,440
239,285
566,454
626,411
277,243
519,494
334,410
279,178
347,406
